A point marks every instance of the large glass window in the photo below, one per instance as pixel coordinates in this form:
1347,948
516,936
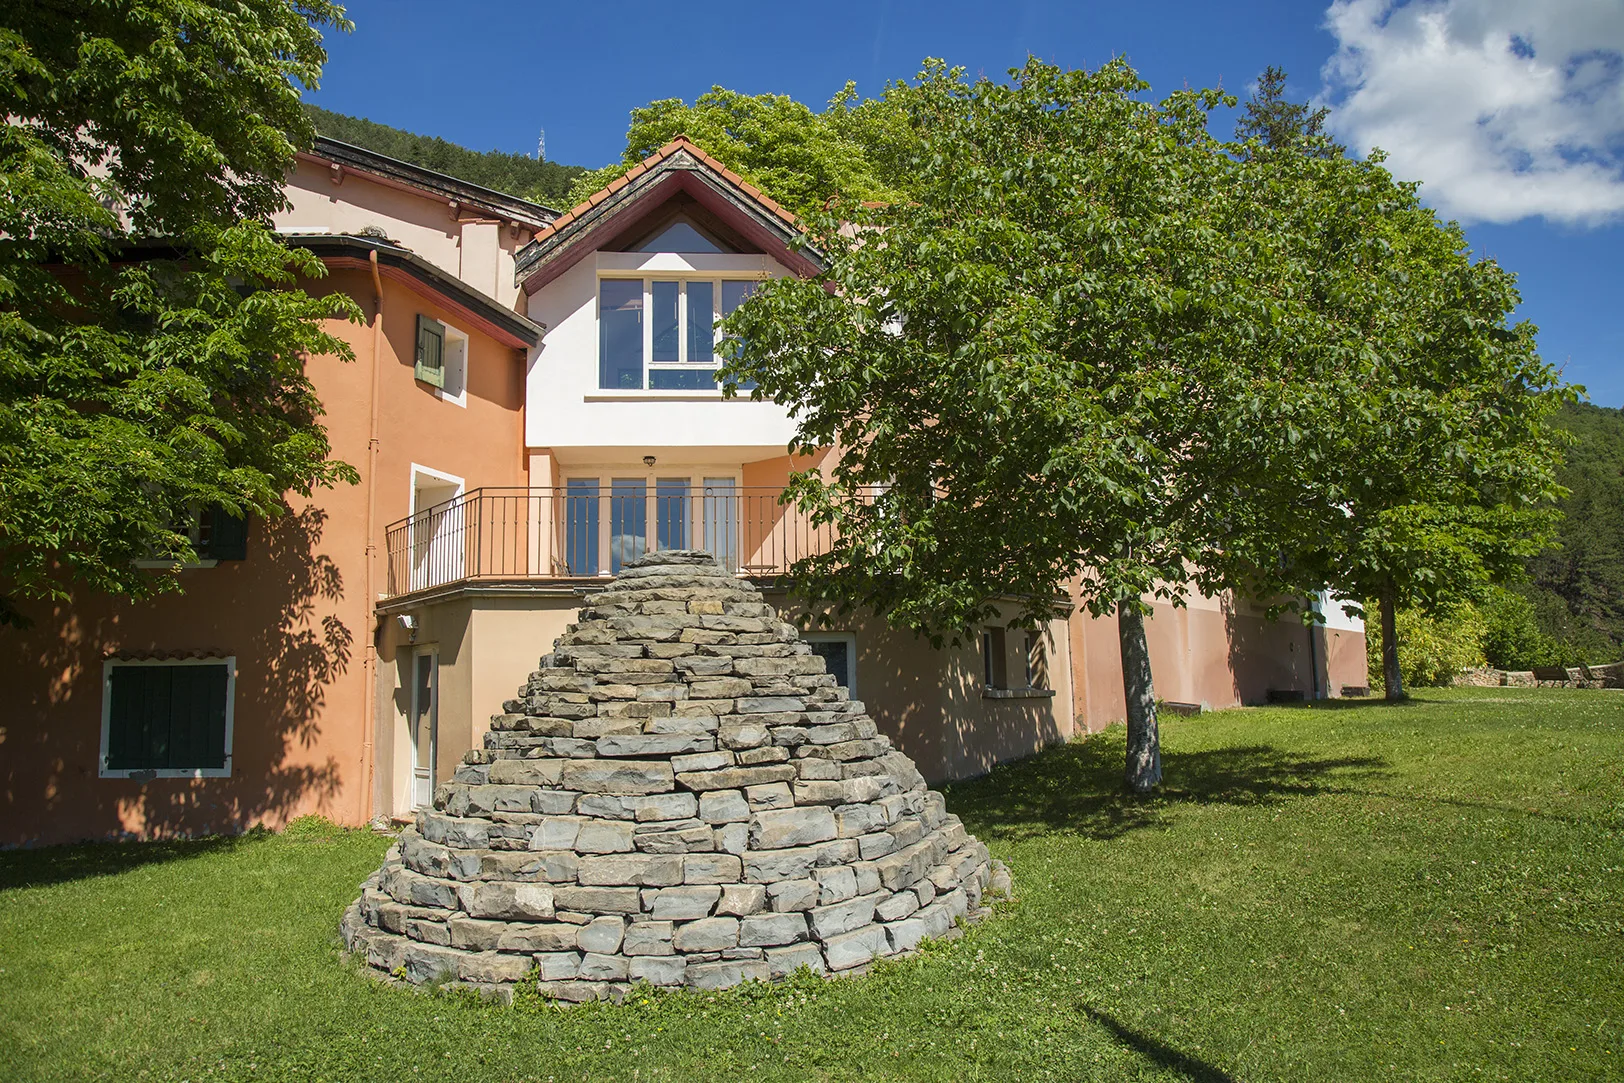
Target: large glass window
671,513
722,521
581,526
620,333
628,521
678,349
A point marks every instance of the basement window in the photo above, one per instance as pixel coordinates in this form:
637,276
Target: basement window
167,719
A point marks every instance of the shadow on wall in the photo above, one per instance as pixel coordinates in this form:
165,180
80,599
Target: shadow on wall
274,612
1265,654
1078,788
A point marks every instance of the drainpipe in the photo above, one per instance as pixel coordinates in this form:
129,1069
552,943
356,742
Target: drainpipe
370,665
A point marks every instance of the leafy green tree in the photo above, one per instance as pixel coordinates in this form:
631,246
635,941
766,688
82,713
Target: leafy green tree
1056,360
542,182
1278,124
1427,470
152,338
800,158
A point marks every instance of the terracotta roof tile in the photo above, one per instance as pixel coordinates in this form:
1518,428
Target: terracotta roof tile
680,143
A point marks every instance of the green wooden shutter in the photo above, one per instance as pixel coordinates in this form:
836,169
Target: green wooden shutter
167,717
430,367
228,536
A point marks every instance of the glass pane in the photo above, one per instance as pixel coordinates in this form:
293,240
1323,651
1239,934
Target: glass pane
620,333
680,380
679,237
581,527
628,521
702,322
836,654
734,293
722,522
665,321
671,513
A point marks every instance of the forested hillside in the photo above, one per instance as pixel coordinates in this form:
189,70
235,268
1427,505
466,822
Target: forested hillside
1578,587
514,174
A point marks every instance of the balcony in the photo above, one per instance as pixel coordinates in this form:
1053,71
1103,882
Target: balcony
585,531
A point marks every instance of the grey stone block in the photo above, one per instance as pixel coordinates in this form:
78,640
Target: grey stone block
642,870
707,934
685,903
656,970
723,806
787,895
618,776
771,795
657,744
711,868
509,902
856,948
723,975
842,917
559,965
742,899
775,829
771,930
648,938
782,962
601,935
836,884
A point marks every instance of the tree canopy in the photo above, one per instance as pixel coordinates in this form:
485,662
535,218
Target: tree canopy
152,338
799,157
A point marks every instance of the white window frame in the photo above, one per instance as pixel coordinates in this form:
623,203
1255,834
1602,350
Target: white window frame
455,346
229,661
418,470
848,638
682,364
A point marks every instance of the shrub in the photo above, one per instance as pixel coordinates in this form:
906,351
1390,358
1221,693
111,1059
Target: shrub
1431,649
1512,638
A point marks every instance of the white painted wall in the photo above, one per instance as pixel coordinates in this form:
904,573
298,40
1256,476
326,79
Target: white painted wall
566,411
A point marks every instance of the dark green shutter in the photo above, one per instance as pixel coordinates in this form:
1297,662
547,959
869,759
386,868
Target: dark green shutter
430,367
167,717
228,536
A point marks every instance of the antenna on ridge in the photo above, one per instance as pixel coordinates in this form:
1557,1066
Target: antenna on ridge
541,145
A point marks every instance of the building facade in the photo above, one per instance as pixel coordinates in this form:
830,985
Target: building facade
532,404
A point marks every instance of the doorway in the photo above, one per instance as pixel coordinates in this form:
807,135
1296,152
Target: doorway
423,724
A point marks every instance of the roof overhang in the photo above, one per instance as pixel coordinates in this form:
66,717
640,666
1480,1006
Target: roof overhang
629,201
394,173
425,279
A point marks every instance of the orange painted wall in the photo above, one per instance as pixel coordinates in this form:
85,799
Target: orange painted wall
295,614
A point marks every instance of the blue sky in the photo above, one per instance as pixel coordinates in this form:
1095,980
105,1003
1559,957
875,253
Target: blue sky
1511,111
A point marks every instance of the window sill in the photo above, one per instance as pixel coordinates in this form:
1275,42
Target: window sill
655,396
149,774
1017,693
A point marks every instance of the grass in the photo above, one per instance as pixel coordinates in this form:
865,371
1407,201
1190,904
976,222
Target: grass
1333,892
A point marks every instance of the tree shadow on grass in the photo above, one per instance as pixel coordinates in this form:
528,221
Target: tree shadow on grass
1158,1051
1077,788
83,861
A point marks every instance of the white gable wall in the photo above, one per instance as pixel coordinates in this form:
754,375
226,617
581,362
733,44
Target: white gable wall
566,410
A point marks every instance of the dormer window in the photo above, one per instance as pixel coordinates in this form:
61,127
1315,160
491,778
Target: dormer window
675,343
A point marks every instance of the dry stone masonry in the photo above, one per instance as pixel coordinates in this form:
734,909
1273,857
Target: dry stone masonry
680,796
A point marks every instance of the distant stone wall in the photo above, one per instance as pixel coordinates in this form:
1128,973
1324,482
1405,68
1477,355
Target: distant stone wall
680,796
1608,676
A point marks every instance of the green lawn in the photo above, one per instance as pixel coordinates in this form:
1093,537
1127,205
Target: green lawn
1338,892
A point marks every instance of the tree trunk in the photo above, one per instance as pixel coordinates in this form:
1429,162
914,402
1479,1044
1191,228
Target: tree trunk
1391,674
1144,768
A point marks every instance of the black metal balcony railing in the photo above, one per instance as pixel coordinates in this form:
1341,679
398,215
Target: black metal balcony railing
590,530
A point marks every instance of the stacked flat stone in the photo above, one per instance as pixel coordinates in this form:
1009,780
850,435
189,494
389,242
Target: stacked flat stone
682,795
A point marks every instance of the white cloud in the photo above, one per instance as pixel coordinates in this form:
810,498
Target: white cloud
1505,109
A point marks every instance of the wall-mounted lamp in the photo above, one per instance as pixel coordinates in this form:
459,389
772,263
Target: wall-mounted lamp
648,460
408,621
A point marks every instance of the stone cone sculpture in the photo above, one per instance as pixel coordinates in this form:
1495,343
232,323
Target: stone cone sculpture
681,796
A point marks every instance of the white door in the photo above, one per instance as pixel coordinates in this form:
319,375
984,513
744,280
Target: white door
424,724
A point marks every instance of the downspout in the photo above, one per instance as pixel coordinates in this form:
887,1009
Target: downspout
370,666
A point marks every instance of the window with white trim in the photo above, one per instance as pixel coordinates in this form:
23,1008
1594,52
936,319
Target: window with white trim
660,334
167,719
442,359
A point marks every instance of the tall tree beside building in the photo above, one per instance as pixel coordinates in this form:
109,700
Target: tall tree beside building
1059,360
151,335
